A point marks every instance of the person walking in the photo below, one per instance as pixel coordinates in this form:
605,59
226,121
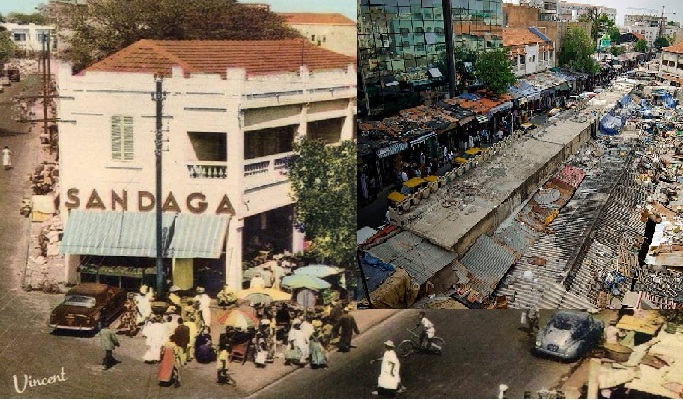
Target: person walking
389,380
204,302
532,320
182,339
7,158
154,333
109,343
194,331
318,352
345,328
169,367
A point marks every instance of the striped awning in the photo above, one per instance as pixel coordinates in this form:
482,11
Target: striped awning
133,234
482,119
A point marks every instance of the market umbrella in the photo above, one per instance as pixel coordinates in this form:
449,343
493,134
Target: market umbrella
274,294
299,281
259,298
318,270
238,318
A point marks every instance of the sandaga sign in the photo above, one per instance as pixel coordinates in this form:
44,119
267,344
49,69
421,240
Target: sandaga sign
145,201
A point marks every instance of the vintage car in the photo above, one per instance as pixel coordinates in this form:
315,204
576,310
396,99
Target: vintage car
88,307
569,334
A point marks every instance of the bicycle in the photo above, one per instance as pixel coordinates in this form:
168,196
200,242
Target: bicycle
413,345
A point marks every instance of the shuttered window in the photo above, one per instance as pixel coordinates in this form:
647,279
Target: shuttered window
122,148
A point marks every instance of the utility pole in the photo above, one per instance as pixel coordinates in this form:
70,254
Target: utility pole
450,61
158,97
46,81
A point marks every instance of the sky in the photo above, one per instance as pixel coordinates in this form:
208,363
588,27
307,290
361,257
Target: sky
346,7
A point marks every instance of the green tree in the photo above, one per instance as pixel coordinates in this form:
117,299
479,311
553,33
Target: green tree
465,59
617,50
576,51
21,18
661,42
614,35
7,47
495,70
102,27
640,46
323,180
600,23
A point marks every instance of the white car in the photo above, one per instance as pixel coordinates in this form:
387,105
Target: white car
4,81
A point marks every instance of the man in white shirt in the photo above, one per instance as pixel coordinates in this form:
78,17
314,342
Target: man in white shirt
389,381
428,331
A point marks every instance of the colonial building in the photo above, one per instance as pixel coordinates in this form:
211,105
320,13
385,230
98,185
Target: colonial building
231,113
332,31
530,50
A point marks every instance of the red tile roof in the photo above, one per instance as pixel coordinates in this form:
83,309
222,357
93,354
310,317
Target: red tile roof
257,57
317,19
677,48
638,35
520,36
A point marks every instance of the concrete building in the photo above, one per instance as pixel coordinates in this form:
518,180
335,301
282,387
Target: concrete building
402,45
671,69
232,112
530,50
332,31
573,11
30,37
647,25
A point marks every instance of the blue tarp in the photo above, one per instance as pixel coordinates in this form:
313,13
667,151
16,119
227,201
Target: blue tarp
376,272
469,96
611,124
626,100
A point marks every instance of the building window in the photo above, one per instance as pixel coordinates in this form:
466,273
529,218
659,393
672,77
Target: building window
122,138
19,37
313,38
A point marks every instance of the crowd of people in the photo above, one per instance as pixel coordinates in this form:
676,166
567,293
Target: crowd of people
180,332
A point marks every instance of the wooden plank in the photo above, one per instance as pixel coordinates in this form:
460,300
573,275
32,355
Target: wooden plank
643,325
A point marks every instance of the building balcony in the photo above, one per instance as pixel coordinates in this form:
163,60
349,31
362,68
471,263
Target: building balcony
268,170
208,169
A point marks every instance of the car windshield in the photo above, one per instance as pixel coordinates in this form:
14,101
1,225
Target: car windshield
567,322
79,301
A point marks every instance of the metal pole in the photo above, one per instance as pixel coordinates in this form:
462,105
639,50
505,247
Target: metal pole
158,97
46,82
450,60
359,254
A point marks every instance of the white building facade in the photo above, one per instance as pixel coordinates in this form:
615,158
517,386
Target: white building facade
30,37
228,135
671,65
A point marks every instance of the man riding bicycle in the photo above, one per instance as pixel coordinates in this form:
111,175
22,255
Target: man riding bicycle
428,331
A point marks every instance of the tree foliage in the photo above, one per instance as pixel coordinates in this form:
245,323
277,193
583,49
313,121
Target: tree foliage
465,59
25,19
495,70
661,42
7,47
640,46
614,35
103,27
617,50
576,51
600,23
323,180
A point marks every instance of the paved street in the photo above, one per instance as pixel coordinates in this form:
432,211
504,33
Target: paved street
483,349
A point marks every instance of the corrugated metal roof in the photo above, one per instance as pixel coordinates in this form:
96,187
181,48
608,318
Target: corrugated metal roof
487,260
419,258
111,233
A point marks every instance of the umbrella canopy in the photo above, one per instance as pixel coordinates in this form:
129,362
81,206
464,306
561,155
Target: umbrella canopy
259,298
274,294
299,281
318,270
238,318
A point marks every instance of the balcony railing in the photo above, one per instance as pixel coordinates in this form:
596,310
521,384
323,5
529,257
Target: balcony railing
266,170
208,169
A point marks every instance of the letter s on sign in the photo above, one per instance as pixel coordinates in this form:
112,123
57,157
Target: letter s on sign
201,206
74,201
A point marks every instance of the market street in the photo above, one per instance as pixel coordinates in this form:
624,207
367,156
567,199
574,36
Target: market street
483,349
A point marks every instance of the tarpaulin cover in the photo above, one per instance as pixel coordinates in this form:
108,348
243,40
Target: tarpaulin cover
611,124
375,272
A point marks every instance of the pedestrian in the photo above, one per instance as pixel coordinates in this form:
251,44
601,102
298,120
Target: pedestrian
373,187
204,351
7,158
204,302
109,343
170,326
174,300
194,331
500,134
182,339
345,328
169,367
128,317
155,333
318,352
389,380
143,306
364,185
222,376
532,320
502,389
297,351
